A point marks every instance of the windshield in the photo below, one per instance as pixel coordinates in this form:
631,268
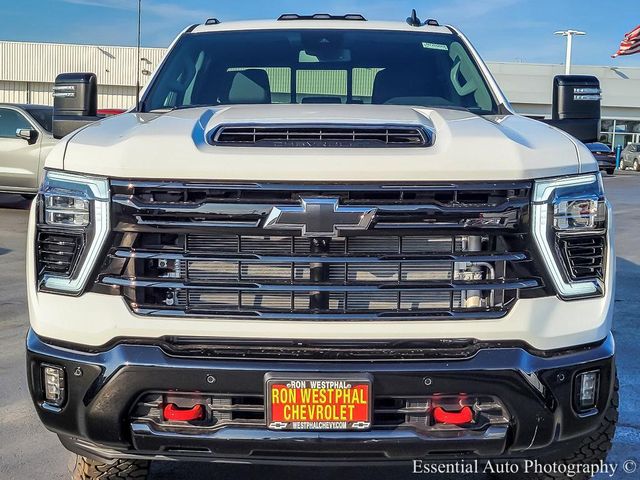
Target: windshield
44,117
320,66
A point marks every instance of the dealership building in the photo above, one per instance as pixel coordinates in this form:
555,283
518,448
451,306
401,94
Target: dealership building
28,70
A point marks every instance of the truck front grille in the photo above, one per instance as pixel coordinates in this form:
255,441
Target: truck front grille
430,253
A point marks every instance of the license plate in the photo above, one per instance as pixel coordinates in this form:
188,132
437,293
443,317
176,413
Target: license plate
325,402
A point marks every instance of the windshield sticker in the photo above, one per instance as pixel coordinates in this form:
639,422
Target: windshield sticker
435,46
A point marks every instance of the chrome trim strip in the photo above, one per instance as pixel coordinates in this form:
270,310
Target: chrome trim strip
321,187
198,223
254,258
399,286
264,209
486,314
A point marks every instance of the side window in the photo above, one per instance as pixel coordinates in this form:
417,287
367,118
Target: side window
10,121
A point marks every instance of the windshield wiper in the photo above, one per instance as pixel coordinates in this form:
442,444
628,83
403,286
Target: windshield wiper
179,107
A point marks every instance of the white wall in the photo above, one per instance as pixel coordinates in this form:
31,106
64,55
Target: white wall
28,70
529,87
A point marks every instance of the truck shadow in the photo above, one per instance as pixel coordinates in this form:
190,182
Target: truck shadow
15,202
204,471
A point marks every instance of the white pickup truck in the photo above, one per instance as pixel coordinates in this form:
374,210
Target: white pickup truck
323,240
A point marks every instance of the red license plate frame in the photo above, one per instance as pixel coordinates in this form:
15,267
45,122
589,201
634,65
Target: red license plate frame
317,402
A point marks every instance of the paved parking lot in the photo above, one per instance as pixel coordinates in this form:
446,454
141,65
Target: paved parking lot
29,452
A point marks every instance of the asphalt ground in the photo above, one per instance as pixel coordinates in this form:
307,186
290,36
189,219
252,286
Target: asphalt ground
29,452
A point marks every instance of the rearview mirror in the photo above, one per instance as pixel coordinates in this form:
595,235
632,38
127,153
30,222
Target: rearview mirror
75,102
576,106
27,134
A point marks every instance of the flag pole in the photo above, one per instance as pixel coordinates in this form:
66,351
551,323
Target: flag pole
138,56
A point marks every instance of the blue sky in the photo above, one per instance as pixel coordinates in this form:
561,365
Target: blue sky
503,30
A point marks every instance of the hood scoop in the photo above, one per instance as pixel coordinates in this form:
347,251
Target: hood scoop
321,136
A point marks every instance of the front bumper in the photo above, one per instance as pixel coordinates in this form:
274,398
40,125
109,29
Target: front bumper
537,391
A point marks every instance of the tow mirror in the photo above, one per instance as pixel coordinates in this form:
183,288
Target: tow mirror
576,106
27,134
75,102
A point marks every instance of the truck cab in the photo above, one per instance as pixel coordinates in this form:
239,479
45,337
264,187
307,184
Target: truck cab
321,238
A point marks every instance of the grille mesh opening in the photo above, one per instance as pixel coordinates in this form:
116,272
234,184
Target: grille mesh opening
57,253
583,256
322,136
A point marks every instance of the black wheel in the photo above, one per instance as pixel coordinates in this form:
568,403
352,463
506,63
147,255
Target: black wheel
610,171
591,450
83,468
636,165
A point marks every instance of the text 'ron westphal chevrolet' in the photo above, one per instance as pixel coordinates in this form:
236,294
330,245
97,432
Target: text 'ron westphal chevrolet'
322,239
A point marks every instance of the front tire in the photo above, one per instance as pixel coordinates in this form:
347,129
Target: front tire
610,171
636,165
83,468
592,450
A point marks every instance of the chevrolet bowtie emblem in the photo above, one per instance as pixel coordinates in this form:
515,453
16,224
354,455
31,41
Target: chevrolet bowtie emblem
320,217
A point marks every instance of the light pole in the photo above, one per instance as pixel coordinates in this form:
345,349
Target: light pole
569,34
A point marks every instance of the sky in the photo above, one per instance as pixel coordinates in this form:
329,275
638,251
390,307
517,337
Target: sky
502,30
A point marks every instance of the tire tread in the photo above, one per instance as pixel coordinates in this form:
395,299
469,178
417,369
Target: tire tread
86,469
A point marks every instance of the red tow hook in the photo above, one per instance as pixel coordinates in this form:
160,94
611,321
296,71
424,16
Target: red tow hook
176,414
453,418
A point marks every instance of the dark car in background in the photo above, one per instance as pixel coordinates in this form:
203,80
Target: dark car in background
604,155
630,157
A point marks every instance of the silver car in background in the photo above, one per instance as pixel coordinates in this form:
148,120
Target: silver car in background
25,141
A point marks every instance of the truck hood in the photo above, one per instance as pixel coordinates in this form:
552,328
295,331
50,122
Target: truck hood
467,147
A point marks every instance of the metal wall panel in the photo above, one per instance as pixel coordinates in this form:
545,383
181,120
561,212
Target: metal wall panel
41,62
109,96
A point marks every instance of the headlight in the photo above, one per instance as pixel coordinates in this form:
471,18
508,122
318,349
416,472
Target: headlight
569,223
73,224
66,210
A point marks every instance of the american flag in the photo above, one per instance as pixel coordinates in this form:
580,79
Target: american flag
630,44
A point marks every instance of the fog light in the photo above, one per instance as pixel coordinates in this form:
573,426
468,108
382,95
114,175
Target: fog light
587,390
54,385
